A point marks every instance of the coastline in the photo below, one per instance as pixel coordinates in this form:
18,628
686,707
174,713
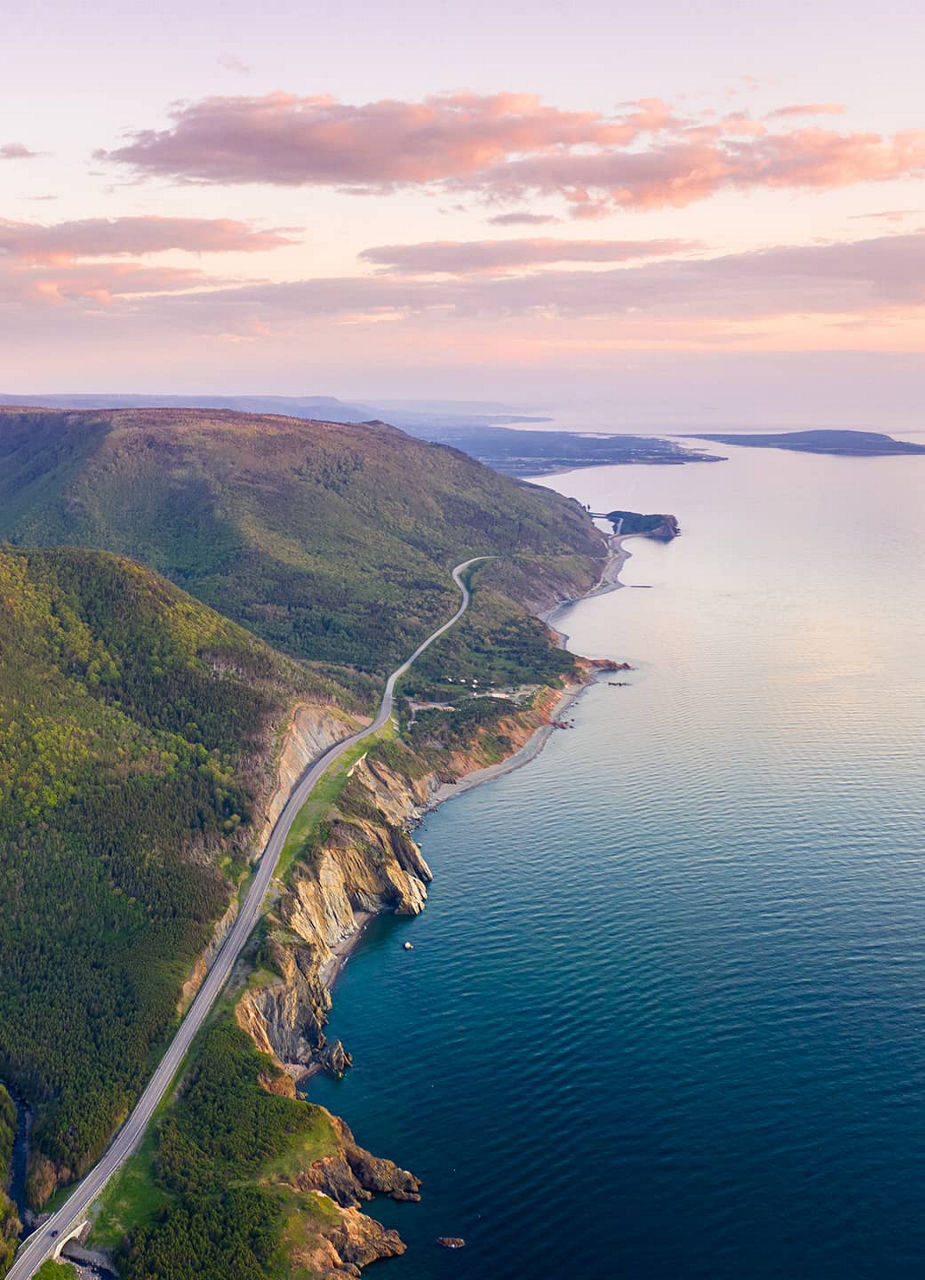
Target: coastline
608,581
528,752
344,949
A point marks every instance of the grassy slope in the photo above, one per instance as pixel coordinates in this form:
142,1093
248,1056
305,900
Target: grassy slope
332,542
134,729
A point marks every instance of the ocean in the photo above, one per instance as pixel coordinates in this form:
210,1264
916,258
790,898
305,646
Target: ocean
665,1012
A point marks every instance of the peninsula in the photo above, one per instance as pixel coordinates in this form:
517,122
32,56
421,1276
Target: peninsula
625,523
855,444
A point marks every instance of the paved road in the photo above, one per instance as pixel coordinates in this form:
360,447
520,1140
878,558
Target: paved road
41,1244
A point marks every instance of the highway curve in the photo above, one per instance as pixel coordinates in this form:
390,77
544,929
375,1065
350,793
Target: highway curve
41,1244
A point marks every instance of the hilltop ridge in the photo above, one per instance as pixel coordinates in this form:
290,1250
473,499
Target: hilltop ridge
332,542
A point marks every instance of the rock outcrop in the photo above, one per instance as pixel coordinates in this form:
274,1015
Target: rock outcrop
345,1245
353,1174
312,729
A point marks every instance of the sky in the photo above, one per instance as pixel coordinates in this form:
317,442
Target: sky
644,213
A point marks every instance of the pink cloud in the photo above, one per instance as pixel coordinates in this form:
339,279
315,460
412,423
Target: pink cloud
284,139
887,215
115,237
520,219
511,147
16,151
807,109
461,257
858,278
97,284
679,172
812,291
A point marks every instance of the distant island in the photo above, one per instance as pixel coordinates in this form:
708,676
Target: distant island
664,527
861,444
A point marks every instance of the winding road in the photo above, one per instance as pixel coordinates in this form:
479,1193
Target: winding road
43,1242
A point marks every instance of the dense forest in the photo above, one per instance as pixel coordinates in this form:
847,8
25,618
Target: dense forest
9,1219
134,728
332,542
219,1216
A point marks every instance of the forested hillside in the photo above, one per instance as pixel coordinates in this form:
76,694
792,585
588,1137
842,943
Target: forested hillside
330,541
9,1219
135,726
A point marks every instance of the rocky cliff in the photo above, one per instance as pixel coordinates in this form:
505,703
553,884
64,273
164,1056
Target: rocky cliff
311,729
362,861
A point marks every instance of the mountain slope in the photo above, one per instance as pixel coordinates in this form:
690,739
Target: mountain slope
136,731
331,541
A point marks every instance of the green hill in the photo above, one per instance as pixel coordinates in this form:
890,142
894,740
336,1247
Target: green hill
331,541
135,729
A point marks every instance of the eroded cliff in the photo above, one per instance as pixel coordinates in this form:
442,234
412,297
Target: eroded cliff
362,860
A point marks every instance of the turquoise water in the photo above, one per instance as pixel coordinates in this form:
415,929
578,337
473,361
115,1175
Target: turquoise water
665,1014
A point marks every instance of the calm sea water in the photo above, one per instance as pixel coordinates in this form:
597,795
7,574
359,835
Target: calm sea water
665,1014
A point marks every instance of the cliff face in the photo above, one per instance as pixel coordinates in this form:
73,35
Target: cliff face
345,1240
343,1245
312,729
362,868
363,862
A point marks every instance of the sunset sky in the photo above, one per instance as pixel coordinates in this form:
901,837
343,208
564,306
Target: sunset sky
679,211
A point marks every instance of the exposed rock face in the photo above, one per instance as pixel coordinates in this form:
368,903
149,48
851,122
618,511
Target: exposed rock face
346,1245
363,868
354,1175
312,729
335,1059
365,865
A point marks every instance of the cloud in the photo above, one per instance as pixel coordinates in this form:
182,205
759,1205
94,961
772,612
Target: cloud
522,219
681,170
887,215
807,109
509,148
460,257
16,151
292,141
97,284
117,237
856,279
229,62
809,290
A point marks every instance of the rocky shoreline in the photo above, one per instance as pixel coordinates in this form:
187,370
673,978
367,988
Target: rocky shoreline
369,862
366,862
